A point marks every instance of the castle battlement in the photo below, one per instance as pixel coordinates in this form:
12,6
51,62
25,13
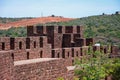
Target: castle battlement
46,53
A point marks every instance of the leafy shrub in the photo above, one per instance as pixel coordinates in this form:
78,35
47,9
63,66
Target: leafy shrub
96,66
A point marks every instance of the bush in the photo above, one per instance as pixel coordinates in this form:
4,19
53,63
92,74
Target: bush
116,71
96,66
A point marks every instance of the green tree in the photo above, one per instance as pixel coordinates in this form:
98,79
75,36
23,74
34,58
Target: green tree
96,66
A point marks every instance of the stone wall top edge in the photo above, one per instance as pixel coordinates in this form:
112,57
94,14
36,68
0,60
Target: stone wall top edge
31,61
70,48
22,37
55,25
5,51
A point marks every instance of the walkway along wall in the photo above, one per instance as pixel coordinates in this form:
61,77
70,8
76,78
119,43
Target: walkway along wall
42,69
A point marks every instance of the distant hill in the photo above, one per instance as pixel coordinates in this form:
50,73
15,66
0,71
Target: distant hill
105,28
23,22
7,20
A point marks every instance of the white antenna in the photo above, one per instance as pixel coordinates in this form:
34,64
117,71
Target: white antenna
41,14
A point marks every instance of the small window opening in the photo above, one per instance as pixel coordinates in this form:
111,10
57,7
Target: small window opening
41,42
12,41
60,29
12,55
27,43
28,55
34,44
3,46
53,54
72,52
20,45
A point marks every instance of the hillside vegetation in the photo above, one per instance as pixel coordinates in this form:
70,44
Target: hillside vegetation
6,20
105,28
14,32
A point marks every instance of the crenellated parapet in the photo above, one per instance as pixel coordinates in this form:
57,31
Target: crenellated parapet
23,48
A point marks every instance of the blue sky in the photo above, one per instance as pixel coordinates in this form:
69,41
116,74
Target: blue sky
66,8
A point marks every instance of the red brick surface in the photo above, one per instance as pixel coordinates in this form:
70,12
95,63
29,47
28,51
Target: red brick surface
43,70
6,66
65,42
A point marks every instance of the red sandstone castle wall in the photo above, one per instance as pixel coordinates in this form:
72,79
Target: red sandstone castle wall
26,48
6,66
4,43
44,42
36,69
42,70
69,54
56,34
